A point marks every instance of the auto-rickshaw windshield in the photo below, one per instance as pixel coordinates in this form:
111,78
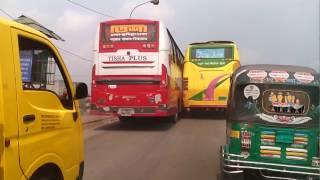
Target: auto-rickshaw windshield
276,103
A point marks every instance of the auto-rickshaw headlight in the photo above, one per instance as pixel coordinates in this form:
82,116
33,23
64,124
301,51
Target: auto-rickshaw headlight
316,161
245,140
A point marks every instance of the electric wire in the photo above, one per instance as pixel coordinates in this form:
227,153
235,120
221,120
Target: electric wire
4,12
75,55
90,9
64,50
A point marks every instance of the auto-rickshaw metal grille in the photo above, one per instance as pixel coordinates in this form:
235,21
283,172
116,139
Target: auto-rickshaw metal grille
293,145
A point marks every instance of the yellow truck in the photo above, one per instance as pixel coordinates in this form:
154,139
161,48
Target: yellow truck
40,128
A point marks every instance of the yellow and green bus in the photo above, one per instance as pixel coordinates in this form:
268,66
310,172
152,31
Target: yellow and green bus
206,75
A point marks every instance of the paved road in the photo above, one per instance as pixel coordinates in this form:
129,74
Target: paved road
154,150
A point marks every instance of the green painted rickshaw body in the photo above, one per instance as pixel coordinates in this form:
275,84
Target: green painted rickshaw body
283,140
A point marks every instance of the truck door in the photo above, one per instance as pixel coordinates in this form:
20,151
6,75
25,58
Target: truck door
47,114
1,131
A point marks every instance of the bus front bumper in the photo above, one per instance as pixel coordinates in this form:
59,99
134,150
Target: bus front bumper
234,164
205,104
145,111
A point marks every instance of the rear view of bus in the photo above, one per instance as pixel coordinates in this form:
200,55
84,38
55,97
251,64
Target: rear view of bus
137,70
206,76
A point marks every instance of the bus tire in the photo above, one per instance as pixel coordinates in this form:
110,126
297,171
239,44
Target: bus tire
47,172
180,109
124,119
174,118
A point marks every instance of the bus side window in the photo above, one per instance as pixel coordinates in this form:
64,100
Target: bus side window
41,70
172,47
174,51
179,57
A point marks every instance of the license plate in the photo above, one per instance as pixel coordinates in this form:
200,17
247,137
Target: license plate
126,111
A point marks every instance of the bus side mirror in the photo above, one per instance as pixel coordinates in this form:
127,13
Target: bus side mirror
81,91
155,2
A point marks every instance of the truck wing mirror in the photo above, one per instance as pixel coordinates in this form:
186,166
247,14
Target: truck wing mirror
81,91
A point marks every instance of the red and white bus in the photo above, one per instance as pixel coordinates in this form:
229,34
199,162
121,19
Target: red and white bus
137,70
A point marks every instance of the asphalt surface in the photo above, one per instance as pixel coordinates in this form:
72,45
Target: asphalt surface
154,149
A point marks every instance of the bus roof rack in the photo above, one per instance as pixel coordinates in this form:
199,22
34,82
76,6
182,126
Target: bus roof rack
213,42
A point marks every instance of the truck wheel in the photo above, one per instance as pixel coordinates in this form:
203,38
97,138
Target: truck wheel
47,172
46,178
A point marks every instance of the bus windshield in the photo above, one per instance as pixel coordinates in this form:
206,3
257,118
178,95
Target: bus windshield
212,53
128,33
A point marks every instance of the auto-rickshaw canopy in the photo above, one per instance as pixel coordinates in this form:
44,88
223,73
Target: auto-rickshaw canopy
275,94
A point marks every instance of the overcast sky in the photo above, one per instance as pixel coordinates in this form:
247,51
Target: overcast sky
266,31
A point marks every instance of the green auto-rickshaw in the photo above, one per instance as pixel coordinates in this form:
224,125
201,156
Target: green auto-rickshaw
272,124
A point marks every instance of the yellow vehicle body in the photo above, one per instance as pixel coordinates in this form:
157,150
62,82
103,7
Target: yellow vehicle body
38,133
207,70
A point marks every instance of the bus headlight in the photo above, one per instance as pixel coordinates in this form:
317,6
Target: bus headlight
110,97
163,107
157,98
106,109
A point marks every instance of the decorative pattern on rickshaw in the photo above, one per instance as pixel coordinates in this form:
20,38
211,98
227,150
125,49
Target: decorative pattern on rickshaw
285,106
275,76
280,106
284,119
285,102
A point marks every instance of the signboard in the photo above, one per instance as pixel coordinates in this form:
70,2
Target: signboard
131,33
26,58
141,28
119,58
114,59
210,53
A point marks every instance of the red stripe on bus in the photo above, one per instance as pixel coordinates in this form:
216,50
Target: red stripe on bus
127,62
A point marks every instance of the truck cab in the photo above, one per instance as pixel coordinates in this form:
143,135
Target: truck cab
40,126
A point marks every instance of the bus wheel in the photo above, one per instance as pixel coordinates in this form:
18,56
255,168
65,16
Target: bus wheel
124,119
175,118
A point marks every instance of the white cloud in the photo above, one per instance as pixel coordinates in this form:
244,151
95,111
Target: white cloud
72,21
249,56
